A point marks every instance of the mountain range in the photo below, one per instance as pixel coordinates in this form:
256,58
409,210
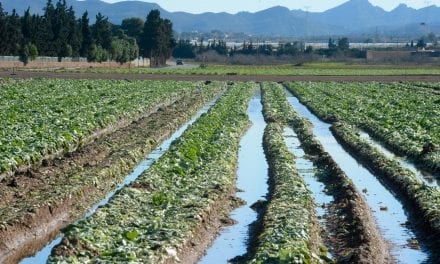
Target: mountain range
354,17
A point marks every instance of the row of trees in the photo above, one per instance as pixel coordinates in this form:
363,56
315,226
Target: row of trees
335,48
58,33
185,49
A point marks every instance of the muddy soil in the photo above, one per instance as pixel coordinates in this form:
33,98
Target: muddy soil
351,229
36,204
198,77
213,220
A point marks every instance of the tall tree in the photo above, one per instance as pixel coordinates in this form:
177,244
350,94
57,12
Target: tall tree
102,32
40,33
74,32
87,41
184,49
331,44
3,31
124,49
157,41
61,29
166,42
26,26
58,33
13,34
48,47
151,32
343,44
133,27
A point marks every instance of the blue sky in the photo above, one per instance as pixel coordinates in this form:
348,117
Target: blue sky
234,6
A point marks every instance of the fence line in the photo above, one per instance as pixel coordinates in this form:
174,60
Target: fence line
45,59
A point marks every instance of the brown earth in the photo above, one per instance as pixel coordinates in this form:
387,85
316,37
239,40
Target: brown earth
198,77
427,229
33,219
211,221
350,229
36,204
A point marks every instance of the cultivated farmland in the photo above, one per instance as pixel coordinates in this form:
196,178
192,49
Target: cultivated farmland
146,171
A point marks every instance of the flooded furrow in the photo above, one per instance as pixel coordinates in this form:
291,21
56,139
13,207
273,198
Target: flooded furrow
43,255
252,182
387,210
307,170
427,177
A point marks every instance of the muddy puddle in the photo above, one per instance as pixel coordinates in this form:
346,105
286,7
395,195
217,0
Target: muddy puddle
252,182
388,212
43,255
427,177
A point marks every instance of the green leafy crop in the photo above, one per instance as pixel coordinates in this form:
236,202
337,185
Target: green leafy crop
40,119
151,225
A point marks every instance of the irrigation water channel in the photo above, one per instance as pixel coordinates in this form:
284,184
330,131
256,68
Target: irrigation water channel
392,221
307,170
428,178
252,182
43,255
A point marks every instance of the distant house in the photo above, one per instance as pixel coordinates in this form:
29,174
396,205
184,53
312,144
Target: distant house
378,55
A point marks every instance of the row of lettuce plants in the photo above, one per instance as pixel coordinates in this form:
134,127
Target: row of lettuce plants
423,198
355,225
403,116
42,119
289,231
155,219
122,151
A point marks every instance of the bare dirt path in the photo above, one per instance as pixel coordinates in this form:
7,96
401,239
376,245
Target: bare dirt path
199,77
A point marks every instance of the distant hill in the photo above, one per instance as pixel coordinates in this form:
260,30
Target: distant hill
355,17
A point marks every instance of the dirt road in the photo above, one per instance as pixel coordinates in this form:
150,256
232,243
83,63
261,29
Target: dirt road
196,77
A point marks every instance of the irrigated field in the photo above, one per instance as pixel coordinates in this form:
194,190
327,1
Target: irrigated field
352,171
403,116
40,119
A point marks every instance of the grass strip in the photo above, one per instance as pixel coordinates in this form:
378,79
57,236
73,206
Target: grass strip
276,69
